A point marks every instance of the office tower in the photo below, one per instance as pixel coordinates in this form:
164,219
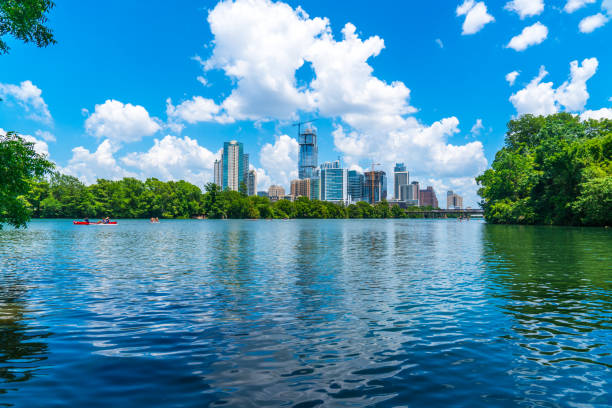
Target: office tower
453,201
245,164
428,197
401,179
218,180
375,186
356,181
232,166
315,187
251,183
307,162
276,192
300,188
333,182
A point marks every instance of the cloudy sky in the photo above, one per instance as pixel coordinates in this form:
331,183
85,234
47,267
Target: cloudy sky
155,91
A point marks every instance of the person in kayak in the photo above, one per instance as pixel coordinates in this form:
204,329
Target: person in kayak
106,221
86,219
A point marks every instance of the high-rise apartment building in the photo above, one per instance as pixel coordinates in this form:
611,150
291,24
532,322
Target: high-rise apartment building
411,193
356,183
276,192
252,183
300,188
307,161
400,178
428,197
315,187
453,201
218,170
334,182
375,186
232,169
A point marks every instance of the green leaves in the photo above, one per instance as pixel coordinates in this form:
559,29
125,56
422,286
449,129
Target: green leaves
19,166
552,170
24,20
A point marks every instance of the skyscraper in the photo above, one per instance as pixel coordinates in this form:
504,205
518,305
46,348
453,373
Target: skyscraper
453,201
300,188
232,169
276,192
400,179
219,172
307,162
334,182
375,186
252,183
356,182
428,197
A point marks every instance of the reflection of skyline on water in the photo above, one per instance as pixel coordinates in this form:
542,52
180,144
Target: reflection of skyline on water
355,312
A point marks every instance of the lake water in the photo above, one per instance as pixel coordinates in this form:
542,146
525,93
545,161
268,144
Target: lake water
348,313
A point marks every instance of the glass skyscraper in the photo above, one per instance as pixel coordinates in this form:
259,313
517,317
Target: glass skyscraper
334,182
233,162
356,181
400,179
307,162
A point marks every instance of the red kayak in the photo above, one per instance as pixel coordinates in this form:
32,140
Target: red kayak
93,223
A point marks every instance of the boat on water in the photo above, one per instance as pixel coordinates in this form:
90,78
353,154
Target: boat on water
93,223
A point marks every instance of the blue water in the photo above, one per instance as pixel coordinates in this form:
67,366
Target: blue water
349,313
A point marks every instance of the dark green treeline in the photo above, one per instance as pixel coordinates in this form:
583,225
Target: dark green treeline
66,197
551,170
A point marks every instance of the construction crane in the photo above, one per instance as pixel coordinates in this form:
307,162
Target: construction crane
372,182
299,124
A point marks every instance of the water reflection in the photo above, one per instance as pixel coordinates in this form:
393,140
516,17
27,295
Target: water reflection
306,312
22,341
556,285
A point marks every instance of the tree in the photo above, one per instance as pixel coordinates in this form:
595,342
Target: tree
552,170
25,20
19,166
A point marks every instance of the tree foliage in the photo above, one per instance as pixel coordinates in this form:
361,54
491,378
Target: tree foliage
551,170
25,20
19,165
63,196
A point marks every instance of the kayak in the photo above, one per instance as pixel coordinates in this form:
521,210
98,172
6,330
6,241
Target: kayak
93,223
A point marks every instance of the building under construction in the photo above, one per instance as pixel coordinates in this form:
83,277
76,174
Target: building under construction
375,186
307,162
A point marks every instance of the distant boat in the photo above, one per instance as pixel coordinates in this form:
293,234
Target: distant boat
93,223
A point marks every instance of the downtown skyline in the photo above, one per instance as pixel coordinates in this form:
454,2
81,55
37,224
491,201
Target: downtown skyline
430,88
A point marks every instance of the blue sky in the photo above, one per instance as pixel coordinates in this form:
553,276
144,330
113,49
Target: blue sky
154,91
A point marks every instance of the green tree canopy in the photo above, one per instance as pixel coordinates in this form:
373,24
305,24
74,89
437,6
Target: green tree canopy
551,170
25,20
19,166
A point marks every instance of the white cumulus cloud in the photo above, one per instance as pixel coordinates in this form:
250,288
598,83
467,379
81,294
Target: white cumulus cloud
603,113
45,135
531,35
526,8
573,5
591,23
121,122
511,77
476,16
541,98
101,164
279,162
29,97
197,109
174,158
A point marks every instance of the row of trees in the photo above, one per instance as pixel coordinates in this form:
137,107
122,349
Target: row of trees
551,170
65,196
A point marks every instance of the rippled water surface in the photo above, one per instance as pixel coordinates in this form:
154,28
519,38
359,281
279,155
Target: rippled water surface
303,313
